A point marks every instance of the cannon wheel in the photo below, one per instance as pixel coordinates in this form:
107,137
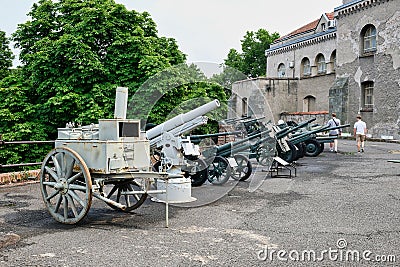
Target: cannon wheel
121,192
243,170
197,172
313,148
290,155
66,185
219,171
264,154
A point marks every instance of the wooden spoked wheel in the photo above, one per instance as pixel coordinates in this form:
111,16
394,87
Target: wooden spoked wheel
127,192
66,185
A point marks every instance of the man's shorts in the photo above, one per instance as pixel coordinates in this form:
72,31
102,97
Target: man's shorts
360,137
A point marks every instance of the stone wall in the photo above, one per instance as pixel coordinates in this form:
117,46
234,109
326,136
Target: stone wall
381,67
270,97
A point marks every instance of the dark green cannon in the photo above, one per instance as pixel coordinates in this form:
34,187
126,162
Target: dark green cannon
288,130
220,158
287,150
315,146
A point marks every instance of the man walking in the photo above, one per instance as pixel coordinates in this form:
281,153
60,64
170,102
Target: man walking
333,122
360,130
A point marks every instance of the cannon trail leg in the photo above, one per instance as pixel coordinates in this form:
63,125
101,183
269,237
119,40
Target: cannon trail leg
129,194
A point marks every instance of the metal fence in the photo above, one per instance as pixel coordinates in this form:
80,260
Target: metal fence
3,143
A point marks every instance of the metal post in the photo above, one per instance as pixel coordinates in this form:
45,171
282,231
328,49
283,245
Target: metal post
166,204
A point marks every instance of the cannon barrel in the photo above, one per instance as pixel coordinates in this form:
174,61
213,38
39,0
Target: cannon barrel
338,127
231,145
184,128
181,119
289,130
307,134
233,120
252,120
197,138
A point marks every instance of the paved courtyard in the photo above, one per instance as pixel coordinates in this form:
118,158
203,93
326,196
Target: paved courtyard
341,210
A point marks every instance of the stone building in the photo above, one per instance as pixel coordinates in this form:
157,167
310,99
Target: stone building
347,62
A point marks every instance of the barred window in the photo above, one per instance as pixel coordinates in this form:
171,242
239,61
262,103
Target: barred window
368,95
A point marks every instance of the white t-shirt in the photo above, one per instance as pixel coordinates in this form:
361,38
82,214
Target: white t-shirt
360,127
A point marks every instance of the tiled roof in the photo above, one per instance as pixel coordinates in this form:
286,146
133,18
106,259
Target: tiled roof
308,27
330,16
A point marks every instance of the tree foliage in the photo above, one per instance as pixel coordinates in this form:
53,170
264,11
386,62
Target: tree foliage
76,52
252,60
6,55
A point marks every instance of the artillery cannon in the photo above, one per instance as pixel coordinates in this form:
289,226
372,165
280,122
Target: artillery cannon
315,145
109,161
228,160
286,149
176,153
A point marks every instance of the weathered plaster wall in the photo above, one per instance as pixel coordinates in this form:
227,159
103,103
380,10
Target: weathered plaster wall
382,67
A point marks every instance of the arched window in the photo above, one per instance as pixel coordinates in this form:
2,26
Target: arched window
281,70
305,67
309,103
368,39
333,61
321,63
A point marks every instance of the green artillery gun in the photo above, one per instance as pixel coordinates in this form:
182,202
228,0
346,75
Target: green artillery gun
315,145
247,124
286,149
230,160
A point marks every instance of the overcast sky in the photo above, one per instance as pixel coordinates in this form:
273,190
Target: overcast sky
204,30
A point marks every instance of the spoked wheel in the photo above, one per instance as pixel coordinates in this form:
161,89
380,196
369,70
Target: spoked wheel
265,153
243,169
128,193
219,171
197,172
66,185
313,148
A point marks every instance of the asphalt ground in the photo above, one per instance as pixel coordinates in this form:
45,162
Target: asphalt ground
340,210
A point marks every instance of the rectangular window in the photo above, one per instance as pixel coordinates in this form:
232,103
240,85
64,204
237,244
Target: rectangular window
368,92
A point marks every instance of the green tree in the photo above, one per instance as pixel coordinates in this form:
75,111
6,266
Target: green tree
76,52
17,123
252,60
6,55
